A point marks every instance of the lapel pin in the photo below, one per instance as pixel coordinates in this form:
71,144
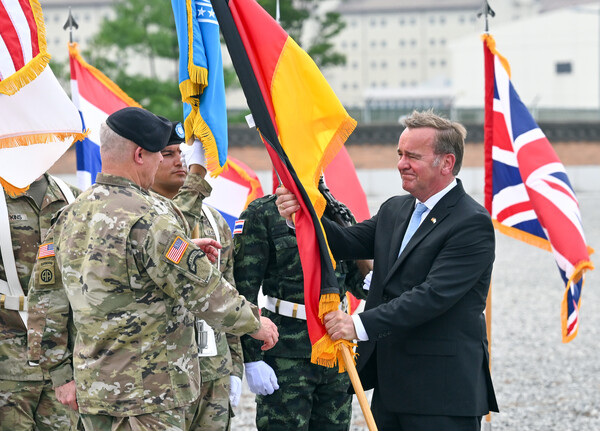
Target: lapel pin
433,220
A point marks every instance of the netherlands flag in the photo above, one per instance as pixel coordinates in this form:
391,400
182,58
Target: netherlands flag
233,190
527,190
96,97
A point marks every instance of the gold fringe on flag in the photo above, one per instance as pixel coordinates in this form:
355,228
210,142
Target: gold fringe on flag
564,311
105,80
325,351
36,65
491,43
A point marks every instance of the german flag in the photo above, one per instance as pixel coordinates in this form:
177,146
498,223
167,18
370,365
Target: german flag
303,126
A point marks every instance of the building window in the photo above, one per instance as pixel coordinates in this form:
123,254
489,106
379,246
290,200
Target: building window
374,65
413,63
402,43
354,65
402,63
373,23
442,19
355,85
431,20
383,22
443,63
383,64
432,63
344,86
443,42
413,42
401,21
564,68
413,21
373,43
354,44
383,43
432,42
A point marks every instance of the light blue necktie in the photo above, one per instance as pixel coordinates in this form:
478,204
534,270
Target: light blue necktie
415,221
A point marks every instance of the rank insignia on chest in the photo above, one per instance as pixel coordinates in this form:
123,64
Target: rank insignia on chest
238,227
46,250
175,252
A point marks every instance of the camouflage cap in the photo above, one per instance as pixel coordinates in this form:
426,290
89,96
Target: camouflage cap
147,130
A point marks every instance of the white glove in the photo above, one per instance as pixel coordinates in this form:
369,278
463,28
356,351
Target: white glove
235,390
193,154
261,378
367,281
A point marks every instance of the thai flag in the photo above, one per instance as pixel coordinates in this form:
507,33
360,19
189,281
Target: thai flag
233,190
527,190
96,97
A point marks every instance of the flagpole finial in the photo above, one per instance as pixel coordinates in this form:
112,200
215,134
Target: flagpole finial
70,24
485,11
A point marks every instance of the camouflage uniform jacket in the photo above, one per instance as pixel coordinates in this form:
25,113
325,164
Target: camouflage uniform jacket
131,274
28,226
229,359
267,252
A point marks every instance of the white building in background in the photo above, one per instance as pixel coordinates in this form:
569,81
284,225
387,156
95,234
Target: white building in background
553,57
410,53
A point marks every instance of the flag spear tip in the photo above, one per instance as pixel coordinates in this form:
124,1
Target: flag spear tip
70,24
486,11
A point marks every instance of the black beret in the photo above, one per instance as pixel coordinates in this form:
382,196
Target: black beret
142,127
177,134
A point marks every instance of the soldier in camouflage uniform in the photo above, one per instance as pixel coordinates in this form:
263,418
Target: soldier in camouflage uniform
27,397
134,281
219,372
292,393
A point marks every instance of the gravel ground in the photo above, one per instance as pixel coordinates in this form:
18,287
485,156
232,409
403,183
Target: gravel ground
541,384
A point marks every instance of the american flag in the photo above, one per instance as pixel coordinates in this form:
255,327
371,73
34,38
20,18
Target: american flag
46,250
527,190
176,250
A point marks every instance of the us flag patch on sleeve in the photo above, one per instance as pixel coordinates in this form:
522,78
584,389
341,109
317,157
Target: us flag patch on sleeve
46,250
238,227
175,252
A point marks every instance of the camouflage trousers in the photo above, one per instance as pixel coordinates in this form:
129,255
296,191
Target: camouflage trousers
310,397
214,411
25,406
169,420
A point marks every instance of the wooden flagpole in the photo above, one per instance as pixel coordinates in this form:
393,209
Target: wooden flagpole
358,389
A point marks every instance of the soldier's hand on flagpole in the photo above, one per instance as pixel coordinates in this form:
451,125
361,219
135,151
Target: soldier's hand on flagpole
210,247
66,394
339,325
268,333
193,154
286,202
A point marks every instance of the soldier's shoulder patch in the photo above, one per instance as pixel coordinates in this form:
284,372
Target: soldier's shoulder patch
238,227
177,249
46,250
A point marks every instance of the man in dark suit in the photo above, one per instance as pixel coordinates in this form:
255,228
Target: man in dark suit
422,337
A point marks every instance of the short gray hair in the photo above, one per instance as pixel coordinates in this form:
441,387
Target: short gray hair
112,144
449,137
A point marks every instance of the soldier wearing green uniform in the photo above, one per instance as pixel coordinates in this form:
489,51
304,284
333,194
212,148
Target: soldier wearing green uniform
27,397
221,371
134,281
292,393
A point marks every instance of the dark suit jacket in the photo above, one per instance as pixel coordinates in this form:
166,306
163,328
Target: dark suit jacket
427,350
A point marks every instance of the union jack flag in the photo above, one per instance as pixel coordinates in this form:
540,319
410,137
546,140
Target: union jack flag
527,190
